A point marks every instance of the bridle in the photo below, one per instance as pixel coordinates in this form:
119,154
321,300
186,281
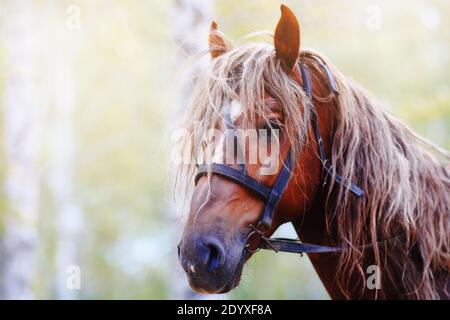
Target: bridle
271,196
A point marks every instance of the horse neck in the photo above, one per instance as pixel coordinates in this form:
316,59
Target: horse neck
310,224
306,209
311,228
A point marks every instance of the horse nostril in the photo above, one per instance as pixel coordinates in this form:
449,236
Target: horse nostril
178,250
214,258
211,253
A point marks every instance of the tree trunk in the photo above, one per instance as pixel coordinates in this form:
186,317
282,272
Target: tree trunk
192,20
68,212
22,118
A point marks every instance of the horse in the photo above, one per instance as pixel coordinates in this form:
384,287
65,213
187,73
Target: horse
362,188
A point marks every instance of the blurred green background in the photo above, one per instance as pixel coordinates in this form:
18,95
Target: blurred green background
89,93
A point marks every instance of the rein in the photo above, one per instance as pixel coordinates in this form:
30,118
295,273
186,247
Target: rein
256,239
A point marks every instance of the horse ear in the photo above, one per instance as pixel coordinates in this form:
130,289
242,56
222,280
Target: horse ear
217,43
287,38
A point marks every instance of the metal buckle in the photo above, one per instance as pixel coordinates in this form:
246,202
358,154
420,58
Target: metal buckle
261,237
248,244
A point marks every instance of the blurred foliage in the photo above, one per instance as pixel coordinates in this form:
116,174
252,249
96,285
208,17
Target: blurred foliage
125,77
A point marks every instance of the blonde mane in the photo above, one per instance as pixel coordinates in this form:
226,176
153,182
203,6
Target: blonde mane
407,188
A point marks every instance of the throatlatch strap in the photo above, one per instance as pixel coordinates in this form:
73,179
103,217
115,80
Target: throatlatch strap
357,191
331,81
306,78
326,164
